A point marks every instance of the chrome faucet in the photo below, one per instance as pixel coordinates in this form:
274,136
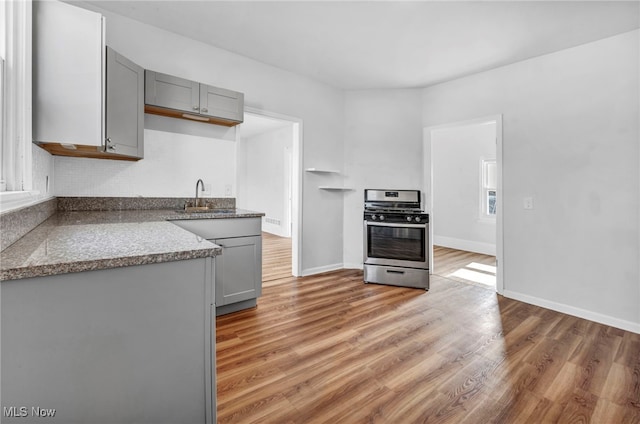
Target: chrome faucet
201,184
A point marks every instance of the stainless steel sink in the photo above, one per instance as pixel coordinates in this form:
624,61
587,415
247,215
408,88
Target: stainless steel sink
205,209
191,209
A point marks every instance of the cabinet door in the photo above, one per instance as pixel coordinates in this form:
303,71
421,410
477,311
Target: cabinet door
68,67
221,103
171,92
125,106
238,270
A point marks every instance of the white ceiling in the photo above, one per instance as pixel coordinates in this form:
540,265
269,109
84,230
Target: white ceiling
386,44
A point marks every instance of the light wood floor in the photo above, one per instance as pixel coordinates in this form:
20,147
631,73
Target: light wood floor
329,348
466,267
276,257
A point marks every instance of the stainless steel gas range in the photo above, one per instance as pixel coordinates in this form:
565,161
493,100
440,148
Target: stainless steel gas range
396,238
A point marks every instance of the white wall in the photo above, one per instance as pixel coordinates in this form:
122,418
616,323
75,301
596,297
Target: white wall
382,149
570,140
43,173
172,165
264,176
266,88
456,155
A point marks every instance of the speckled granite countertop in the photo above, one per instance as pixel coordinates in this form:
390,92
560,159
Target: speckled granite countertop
92,240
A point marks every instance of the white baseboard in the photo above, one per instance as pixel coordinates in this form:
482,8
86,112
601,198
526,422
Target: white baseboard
321,269
353,265
277,230
467,245
634,327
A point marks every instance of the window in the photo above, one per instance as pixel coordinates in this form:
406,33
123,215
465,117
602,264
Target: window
3,182
15,108
489,183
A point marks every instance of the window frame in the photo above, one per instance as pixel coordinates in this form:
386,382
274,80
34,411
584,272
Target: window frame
16,141
3,181
485,188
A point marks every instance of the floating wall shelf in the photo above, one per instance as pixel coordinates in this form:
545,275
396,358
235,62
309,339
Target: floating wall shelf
322,171
332,180
335,188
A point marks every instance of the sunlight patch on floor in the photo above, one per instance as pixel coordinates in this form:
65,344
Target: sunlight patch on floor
482,267
477,273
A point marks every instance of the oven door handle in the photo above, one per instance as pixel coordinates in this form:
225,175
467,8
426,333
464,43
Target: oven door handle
397,225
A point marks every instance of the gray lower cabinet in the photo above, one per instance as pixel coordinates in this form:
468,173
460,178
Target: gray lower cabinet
238,273
239,267
124,345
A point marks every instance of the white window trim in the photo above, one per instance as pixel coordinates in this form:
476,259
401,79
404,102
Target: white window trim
3,182
10,200
17,136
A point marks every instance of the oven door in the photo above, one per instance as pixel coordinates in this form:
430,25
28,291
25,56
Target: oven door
396,244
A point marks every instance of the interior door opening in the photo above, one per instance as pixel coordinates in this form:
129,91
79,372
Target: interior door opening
268,180
463,164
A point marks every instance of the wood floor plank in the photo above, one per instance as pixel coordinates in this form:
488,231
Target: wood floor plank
331,349
276,257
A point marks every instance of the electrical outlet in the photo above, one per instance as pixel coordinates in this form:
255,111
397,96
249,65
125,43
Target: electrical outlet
227,190
527,203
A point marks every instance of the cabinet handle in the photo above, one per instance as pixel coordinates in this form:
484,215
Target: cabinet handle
204,109
196,108
108,144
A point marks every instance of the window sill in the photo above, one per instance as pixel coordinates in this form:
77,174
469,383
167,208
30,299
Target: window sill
486,220
10,200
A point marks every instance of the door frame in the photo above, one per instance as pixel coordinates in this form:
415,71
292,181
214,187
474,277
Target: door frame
428,184
296,183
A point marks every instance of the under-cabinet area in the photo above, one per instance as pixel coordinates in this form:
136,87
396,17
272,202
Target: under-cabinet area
239,267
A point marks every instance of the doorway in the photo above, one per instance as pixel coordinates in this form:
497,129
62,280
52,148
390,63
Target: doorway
463,170
268,175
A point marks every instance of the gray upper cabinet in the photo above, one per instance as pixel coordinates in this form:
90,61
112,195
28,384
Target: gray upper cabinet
125,106
181,98
221,103
68,49
171,92
80,100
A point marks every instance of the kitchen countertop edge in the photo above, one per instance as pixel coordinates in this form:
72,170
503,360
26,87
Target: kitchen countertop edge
17,262
107,263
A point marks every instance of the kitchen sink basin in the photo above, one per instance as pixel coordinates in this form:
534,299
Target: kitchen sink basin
191,209
204,209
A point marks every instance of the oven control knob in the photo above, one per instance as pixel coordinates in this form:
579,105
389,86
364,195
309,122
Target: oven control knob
409,219
381,217
374,217
418,219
